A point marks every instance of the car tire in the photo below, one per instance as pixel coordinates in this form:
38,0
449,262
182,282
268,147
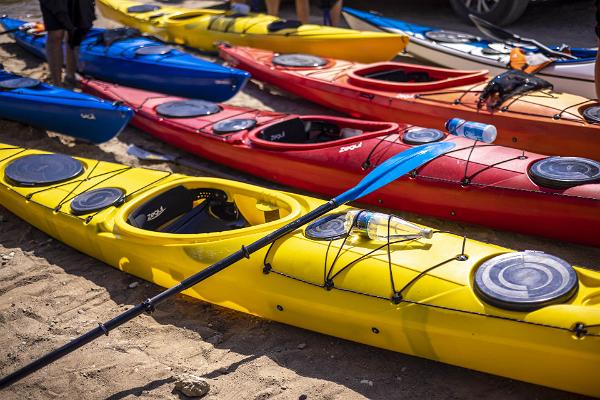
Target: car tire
501,12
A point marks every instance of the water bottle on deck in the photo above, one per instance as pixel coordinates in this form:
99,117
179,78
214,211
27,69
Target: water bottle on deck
472,130
375,226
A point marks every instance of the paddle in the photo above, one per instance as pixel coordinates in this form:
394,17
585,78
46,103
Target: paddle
502,35
390,170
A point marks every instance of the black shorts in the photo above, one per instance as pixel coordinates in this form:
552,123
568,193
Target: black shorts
67,14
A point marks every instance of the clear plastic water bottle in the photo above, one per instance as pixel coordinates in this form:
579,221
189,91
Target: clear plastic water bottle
375,226
472,130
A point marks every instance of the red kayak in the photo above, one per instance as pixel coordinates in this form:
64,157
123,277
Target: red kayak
477,183
541,121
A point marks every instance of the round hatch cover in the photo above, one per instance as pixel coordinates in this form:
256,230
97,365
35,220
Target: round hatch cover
43,169
234,125
525,281
450,36
328,227
496,48
143,8
422,136
158,50
592,114
187,108
564,172
298,60
19,83
97,199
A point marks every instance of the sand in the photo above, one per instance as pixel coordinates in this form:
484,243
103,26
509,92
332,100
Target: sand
50,293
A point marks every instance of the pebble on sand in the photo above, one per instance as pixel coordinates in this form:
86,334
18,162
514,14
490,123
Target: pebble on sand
133,285
192,385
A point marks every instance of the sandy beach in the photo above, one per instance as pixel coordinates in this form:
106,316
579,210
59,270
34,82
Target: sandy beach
50,293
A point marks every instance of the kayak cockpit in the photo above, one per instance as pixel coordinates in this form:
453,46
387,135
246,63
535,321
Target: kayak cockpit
185,16
206,206
311,132
399,77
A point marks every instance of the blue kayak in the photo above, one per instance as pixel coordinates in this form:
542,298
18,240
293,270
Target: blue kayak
144,63
59,110
464,51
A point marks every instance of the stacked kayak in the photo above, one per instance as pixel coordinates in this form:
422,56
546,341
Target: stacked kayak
497,186
127,58
426,296
202,28
540,121
465,51
32,102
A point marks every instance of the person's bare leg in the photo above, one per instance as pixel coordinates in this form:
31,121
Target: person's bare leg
54,55
597,70
71,64
335,12
273,7
303,10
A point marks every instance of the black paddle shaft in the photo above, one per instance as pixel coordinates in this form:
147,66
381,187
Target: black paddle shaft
150,304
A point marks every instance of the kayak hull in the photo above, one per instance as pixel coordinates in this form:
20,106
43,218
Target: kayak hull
174,72
575,76
59,110
527,346
499,193
534,122
202,29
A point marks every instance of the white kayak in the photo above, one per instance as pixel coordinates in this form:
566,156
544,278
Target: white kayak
465,51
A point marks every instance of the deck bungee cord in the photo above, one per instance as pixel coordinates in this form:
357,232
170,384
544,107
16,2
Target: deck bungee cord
385,143
397,297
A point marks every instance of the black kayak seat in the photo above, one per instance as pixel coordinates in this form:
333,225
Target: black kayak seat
289,131
208,217
142,8
162,209
399,75
283,24
173,212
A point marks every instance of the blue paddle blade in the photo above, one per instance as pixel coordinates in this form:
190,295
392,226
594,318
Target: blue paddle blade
395,167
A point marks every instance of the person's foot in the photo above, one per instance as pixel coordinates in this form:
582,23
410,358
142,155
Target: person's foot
70,82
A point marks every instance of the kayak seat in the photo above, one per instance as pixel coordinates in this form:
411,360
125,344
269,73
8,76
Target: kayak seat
296,131
208,217
163,208
289,131
173,212
321,131
401,76
283,24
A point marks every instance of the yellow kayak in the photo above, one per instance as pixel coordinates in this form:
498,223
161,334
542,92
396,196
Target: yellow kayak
202,28
436,296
